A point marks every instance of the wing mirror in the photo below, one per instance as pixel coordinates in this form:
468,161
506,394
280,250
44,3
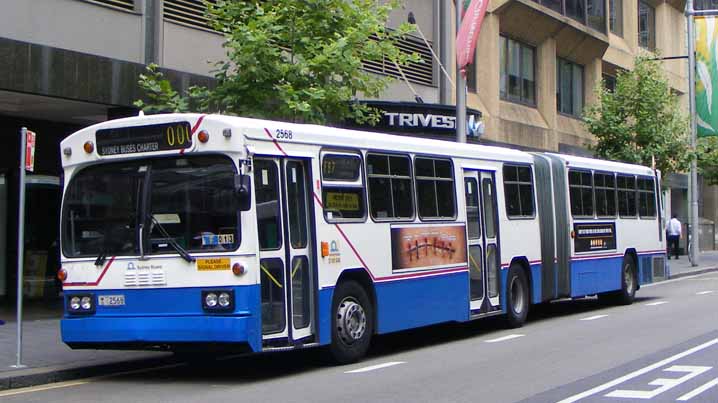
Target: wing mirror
243,191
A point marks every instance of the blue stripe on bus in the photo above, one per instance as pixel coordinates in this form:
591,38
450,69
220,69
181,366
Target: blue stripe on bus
536,283
595,276
169,315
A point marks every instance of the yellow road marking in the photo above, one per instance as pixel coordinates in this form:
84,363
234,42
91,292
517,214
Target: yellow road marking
271,277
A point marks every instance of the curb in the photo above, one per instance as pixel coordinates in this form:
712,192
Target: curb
45,375
693,272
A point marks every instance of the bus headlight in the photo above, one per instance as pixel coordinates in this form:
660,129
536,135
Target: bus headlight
80,304
218,300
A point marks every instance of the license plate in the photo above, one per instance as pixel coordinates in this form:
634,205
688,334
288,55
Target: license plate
111,300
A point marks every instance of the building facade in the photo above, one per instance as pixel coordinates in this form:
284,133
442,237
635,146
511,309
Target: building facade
66,64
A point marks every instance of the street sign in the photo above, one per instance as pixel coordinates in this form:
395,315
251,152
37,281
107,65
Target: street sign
30,151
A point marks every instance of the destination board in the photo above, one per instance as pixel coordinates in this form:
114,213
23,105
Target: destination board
140,139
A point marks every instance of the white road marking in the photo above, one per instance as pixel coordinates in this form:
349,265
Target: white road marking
500,339
374,367
41,388
594,317
657,303
639,372
664,383
704,292
698,391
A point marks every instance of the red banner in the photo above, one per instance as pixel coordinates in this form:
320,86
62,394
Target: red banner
469,32
30,151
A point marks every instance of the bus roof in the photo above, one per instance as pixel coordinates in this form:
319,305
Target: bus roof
603,165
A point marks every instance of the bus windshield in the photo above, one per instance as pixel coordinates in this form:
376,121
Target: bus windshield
187,201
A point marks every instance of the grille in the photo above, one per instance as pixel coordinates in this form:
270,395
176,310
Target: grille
187,12
659,268
128,5
191,13
144,277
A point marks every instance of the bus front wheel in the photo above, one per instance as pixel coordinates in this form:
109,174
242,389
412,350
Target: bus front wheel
517,297
352,323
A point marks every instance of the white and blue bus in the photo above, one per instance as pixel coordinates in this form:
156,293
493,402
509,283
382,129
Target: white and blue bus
187,232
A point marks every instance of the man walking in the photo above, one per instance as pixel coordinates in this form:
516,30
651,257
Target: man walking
673,233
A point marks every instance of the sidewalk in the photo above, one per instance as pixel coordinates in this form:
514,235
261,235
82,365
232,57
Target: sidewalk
49,360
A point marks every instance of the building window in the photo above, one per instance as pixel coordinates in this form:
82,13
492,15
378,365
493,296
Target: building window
609,82
576,9
580,186
596,13
646,26
517,67
615,18
569,87
434,188
471,74
128,5
518,191
390,193
705,4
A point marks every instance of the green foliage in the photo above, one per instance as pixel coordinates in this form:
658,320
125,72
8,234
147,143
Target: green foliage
708,159
640,120
290,60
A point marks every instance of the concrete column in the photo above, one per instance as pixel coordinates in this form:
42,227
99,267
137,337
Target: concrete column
488,71
152,23
446,35
591,78
546,86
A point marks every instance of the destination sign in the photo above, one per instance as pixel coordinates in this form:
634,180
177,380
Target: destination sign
140,139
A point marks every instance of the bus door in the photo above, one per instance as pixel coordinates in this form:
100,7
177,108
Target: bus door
285,258
482,231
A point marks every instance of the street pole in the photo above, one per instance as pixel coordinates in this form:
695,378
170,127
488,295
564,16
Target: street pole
693,182
460,86
20,244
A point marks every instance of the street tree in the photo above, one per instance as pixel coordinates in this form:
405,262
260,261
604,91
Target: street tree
640,120
299,61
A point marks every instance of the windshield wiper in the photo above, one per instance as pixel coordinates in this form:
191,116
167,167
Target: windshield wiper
182,252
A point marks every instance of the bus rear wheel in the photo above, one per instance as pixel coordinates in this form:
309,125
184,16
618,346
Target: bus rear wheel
352,323
629,284
517,297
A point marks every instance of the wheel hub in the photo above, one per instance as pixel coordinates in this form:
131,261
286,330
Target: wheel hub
517,296
628,279
351,321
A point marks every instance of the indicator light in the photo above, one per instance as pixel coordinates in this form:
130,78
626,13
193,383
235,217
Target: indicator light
203,136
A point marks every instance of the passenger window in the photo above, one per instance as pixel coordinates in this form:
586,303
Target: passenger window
626,195
605,190
342,187
434,188
390,192
518,191
646,198
580,186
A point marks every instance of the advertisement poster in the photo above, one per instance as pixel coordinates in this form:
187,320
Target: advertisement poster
418,247
594,236
706,76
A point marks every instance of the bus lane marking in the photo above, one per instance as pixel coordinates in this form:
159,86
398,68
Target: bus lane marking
500,339
594,317
375,367
656,303
664,383
704,292
639,372
695,392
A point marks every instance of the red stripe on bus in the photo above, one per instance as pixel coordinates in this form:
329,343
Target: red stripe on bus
194,129
276,143
107,266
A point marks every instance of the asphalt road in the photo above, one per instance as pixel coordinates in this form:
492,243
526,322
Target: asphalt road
662,348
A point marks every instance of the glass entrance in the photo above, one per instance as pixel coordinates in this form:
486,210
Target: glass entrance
283,226
482,231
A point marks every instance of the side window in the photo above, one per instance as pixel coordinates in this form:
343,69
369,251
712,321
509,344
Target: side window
580,186
435,194
626,195
342,187
390,192
646,198
518,190
605,190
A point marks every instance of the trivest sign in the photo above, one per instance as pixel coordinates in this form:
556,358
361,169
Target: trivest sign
417,119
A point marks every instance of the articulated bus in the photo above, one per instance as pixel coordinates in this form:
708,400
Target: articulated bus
188,232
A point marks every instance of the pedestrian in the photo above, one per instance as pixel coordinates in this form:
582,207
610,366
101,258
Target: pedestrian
673,233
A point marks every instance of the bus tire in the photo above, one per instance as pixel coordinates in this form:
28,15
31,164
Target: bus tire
628,282
352,323
517,297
